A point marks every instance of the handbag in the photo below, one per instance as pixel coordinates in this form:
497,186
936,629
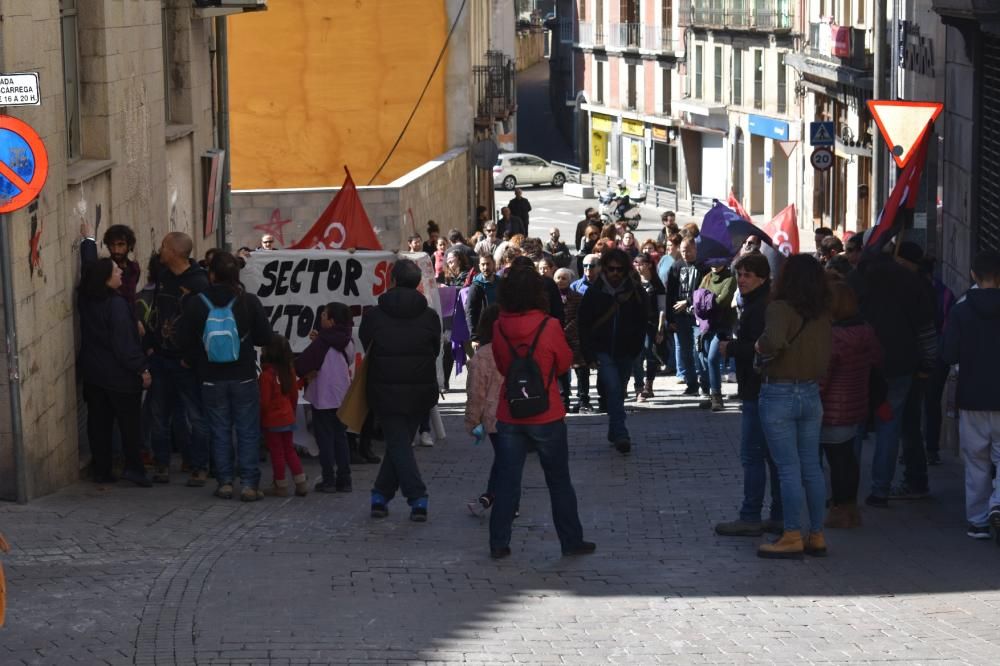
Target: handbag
353,409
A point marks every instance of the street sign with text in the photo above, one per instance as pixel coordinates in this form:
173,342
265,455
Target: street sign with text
19,90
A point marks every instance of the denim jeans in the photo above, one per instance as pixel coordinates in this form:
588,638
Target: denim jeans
792,416
399,469
712,359
757,466
612,375
513,443
914,456
887,437
172,381
234,405
646,363
334,453
689,362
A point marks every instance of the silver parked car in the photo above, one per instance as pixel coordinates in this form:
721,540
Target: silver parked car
513,169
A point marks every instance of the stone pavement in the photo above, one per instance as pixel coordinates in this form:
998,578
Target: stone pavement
171,575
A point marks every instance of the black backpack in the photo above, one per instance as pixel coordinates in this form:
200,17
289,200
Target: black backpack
527,394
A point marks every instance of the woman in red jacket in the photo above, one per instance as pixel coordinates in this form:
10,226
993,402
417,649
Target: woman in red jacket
844,392
524,324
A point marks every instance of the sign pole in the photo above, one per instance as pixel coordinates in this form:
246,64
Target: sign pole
13,373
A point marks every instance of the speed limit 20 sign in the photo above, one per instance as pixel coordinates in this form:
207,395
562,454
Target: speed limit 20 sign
821,158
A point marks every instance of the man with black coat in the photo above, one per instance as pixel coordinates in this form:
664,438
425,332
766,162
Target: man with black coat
402,338
892,300
229,392
753,279
180,279
520,207
612,323
509,225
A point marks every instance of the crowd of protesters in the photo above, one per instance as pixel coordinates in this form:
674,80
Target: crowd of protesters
838,345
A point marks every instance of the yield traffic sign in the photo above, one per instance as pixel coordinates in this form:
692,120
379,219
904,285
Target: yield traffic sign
24,164
903,124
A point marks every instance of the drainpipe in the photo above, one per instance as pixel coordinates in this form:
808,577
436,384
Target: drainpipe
878,152
13,373
222,65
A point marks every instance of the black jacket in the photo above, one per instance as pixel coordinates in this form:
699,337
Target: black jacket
110,353
251,322
172,294
749,327
402,337
970,339
900,307
622,333
513,225
682,281
520,208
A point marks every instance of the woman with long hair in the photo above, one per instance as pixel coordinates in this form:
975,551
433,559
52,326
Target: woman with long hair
524,329
114,369
794,353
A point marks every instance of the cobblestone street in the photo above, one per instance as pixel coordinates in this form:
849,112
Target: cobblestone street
171,575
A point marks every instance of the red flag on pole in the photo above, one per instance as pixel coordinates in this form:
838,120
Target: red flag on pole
734,203
343,225
902,201
784,231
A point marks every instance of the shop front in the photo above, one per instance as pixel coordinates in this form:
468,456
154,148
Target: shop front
633,162
600,142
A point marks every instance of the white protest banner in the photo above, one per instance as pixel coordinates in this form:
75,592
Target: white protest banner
294,285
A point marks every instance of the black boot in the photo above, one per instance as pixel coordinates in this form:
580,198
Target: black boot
352,444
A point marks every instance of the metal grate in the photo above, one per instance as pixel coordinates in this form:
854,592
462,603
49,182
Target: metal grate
989,158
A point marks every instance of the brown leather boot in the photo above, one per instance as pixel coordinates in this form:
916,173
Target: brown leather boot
816,545
788,547
301,485
838,517
279,489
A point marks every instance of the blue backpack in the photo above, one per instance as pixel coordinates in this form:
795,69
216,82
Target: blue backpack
221,337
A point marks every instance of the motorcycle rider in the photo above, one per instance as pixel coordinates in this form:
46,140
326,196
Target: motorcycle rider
621,199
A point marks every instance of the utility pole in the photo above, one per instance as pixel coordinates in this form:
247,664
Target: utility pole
877,195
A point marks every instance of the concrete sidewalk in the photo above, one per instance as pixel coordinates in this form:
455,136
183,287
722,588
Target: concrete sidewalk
171,575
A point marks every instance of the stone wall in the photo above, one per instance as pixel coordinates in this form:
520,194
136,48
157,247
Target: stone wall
530,47
437,190
120,177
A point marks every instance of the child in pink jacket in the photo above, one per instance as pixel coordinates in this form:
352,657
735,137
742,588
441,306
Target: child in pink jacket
482,395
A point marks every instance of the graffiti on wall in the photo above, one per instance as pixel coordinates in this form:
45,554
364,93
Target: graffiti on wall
35,241
274,226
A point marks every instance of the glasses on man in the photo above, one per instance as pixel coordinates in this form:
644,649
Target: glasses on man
588,265
491,230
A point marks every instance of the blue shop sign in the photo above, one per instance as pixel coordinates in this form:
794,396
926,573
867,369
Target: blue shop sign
769,127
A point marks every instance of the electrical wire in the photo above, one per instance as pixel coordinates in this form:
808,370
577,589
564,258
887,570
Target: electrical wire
423,92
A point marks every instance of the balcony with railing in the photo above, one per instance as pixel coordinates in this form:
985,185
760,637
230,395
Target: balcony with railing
566,30
658,38
590,34
624,35
737,15
496,90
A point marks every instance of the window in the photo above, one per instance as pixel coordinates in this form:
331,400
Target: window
718,74
665,91
758,79
737,91
631,91
699,61
71,77
599,91
782,84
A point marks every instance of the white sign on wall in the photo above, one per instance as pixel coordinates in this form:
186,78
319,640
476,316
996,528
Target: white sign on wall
19,90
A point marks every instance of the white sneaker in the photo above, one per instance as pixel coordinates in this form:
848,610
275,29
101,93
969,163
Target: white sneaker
426,439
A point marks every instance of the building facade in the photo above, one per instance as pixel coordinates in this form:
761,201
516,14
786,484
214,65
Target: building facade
127,117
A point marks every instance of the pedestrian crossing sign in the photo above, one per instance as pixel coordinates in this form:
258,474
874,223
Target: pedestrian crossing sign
821,134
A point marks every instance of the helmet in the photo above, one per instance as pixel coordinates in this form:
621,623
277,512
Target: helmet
621,183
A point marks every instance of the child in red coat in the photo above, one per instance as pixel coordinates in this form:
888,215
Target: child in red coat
279,397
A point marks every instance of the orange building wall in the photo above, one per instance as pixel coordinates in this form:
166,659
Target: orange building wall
318,84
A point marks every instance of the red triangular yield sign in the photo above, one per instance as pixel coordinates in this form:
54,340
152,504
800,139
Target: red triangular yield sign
903,124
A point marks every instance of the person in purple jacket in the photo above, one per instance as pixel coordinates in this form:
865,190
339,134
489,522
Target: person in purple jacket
325,366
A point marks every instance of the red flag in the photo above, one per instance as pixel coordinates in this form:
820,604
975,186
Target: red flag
784,231
734,203
899,208
343,225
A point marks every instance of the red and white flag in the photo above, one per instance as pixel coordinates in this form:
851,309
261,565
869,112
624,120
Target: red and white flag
735,204
784,231
343,225
898,210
